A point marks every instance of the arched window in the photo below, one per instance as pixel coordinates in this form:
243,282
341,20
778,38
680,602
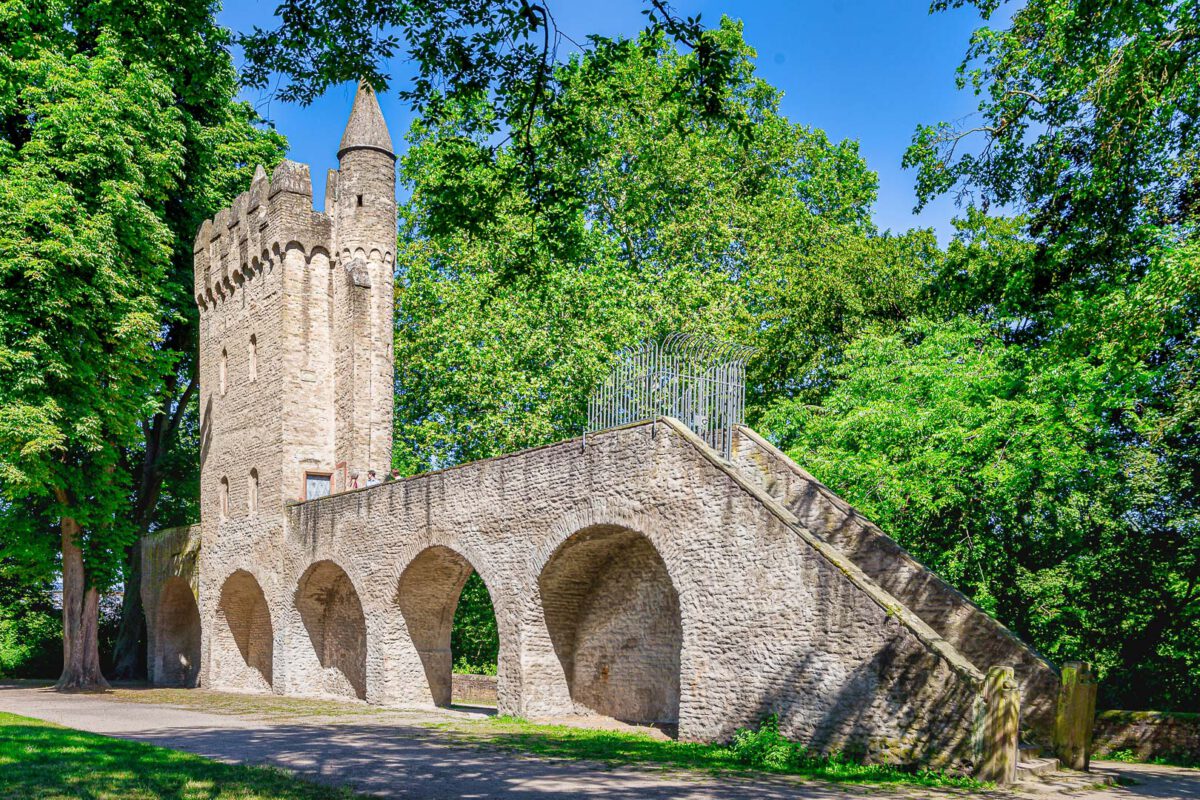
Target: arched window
252,494
224,369
253,357
224,498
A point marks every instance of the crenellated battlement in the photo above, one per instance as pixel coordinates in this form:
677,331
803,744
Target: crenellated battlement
248,236
295,352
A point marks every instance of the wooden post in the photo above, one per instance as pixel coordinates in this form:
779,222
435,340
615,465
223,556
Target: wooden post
1001,726
1076,715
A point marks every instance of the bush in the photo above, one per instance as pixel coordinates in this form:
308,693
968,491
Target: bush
767,748
30,643
474,639
464,667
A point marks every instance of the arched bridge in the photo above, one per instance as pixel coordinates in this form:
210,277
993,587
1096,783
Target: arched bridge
637,574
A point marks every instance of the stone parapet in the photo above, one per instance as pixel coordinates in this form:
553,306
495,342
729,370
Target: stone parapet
239,241
979,637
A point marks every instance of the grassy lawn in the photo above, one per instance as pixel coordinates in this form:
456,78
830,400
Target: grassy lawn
40,761
760,751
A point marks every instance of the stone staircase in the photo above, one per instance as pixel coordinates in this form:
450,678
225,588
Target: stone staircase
971,631
1040,774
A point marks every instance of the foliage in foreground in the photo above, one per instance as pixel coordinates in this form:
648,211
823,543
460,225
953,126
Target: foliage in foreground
47,762
764,749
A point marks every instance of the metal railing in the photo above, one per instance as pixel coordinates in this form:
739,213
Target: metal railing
698,380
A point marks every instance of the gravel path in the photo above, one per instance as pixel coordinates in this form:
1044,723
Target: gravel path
392,758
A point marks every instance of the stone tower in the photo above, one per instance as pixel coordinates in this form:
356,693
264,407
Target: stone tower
296,313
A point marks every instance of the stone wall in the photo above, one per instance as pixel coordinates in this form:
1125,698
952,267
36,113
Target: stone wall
471,690
640,576
170,582
1148,735
979,637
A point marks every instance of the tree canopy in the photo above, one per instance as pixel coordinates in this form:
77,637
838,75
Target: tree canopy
660,219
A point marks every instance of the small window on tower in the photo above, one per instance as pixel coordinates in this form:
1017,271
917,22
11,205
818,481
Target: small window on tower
224,498
224,369
360,200
252,495
253,357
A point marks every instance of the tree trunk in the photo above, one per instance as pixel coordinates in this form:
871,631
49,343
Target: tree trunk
81,618
129,652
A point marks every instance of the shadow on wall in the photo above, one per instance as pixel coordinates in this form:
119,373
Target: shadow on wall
179,642
427,594
243,638
613,618
332,614
903,686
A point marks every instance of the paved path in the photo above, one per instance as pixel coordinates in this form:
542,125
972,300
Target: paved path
394,759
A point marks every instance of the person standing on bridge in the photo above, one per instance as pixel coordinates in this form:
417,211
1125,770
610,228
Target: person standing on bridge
371,479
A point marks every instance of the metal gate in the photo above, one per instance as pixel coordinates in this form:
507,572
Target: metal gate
698,380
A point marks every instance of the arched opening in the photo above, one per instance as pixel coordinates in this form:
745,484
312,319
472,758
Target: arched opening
242,638
178,648
332,614
448,612
224,370
613,618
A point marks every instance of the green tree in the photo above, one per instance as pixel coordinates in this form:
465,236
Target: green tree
96,143
1088,128
1032,435
1087,121
510,306
1053,484
474,637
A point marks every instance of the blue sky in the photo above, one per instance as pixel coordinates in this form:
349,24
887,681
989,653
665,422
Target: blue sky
870,70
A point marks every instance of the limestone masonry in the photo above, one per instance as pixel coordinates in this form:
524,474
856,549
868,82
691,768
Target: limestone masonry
637,574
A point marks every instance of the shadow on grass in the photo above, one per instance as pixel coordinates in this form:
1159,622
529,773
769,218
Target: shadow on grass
46,762
619,747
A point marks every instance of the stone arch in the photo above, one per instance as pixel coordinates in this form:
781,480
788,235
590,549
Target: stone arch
427,593
614,621
333,616
178,652
243,638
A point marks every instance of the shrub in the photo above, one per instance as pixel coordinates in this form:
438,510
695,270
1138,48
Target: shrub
30,644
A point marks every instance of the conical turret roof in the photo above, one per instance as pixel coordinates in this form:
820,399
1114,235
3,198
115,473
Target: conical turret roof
366,128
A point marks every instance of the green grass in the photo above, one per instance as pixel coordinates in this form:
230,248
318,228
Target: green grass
764,750
1130,757
40,761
